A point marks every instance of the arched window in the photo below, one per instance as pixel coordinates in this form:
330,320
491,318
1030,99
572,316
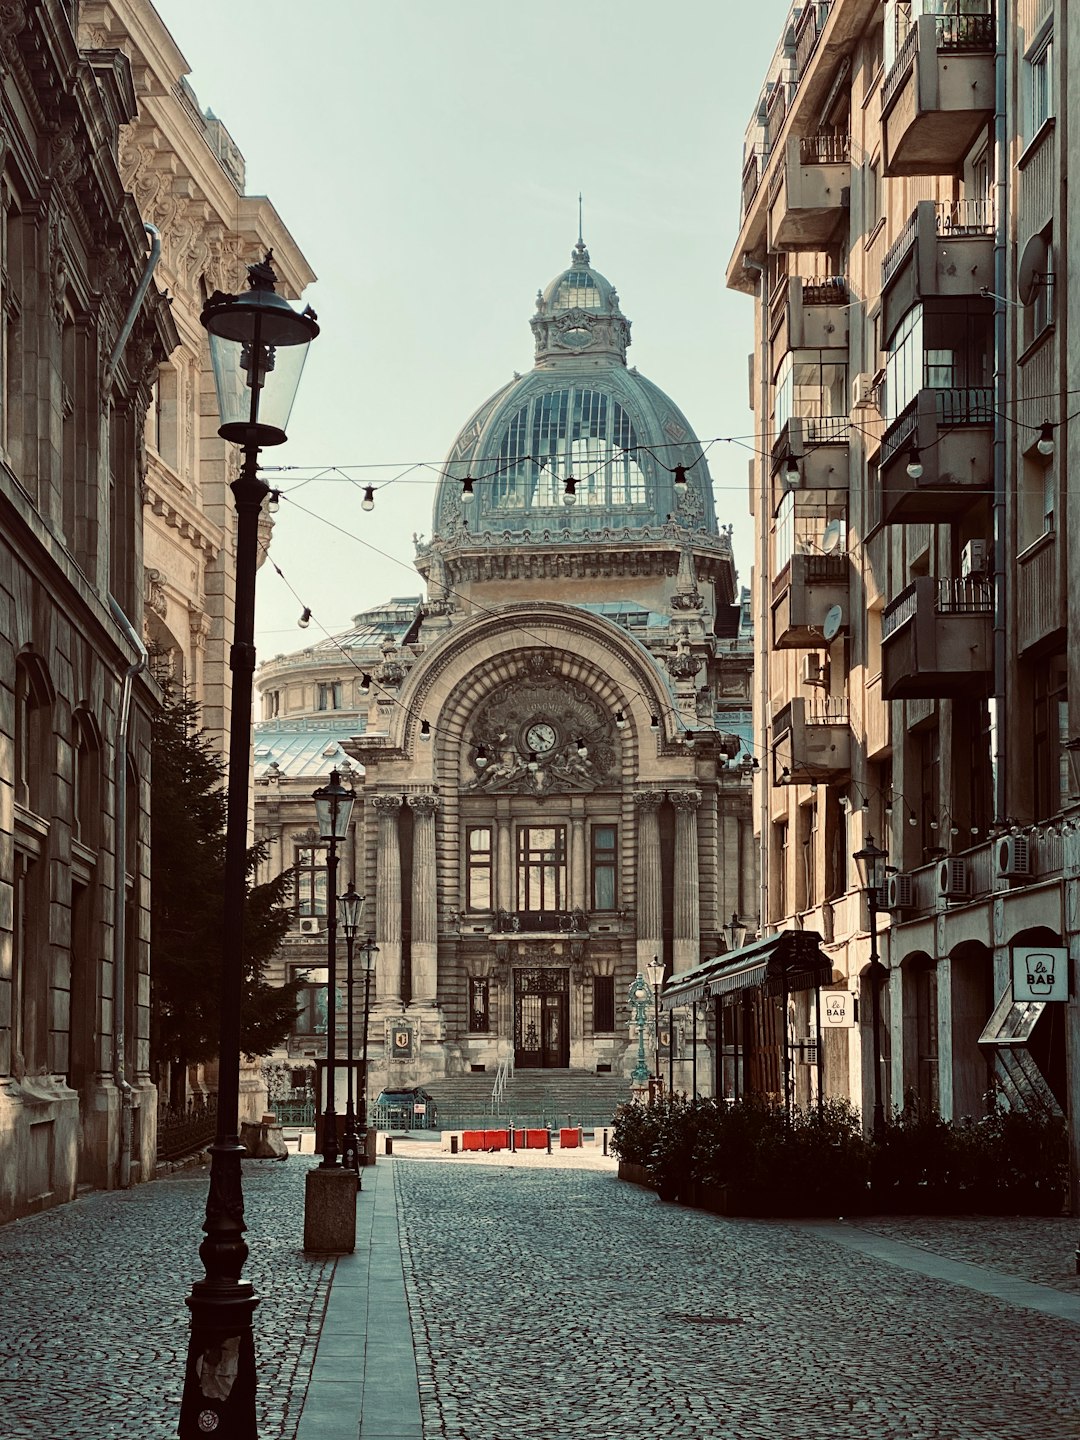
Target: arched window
34,696
85,779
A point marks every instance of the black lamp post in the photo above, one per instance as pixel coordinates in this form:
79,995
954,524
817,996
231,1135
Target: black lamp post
871,862
351,906
369,950
655,974
333,811
258,345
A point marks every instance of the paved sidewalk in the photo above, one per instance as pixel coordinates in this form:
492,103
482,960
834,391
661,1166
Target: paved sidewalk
363,1383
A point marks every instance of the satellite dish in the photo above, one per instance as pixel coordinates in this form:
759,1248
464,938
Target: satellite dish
830,540
834,622
1033,274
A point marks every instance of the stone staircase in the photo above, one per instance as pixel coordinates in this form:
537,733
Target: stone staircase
532,1098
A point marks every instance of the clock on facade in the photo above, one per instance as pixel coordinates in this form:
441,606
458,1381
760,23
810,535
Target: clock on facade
540,737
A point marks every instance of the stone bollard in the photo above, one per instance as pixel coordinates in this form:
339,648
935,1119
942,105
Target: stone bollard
330,1211
264,1140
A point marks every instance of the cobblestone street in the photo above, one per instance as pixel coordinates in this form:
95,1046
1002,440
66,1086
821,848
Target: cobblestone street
547,1299
562,1303
93,1325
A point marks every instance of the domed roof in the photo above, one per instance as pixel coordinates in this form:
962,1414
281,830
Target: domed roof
579,415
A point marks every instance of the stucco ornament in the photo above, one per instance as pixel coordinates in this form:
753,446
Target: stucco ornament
532,733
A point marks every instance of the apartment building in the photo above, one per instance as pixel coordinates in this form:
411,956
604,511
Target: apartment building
904,238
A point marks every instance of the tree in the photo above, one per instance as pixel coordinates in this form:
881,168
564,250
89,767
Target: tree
187,832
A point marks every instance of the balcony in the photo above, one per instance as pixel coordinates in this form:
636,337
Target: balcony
939,94
810,192
818,445
937,640
809,314
953,431
945,249
803,593
811,742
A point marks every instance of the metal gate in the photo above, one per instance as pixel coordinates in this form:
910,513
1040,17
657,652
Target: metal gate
542,1019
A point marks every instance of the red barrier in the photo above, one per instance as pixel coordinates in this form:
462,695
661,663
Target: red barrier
569,1139
496,1139
531,1139
472,1139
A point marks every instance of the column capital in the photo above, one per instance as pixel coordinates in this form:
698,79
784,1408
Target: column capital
649,799
685,799
424,804
385,804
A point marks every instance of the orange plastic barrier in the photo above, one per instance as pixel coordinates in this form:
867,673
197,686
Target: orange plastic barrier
569,1139
496,1139
472,1139
531,1139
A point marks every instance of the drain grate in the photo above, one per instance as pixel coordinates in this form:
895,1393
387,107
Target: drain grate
688,1319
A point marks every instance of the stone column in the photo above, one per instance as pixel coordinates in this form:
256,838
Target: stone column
579,898
687,900
388,902
425,941
650,895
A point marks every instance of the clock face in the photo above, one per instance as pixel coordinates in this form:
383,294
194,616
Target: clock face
540,737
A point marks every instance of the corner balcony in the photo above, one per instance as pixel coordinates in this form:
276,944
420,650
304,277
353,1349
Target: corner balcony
803,593
809,314
937,641
939,94
817,447
945,249
810,192
953,432
811,742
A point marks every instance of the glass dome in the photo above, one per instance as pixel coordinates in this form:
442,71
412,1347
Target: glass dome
580,414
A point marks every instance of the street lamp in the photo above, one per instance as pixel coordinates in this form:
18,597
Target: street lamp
655,971
871,862
639,1000
333,811
735,932
700,1010
351,906
258,345
369,950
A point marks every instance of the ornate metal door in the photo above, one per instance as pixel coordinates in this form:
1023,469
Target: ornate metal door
541,1019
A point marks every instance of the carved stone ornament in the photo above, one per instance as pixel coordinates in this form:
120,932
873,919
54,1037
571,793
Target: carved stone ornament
692,600
648,799
154,591
425,804
386,806
533,732
685,799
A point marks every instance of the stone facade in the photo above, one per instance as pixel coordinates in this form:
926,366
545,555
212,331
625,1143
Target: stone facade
548,745
908,250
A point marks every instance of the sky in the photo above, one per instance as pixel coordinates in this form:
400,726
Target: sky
427,157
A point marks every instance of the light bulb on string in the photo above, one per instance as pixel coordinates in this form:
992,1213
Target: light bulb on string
425,729
1045,444
365,680
468,494
914,464
305,618
481,757
273,502
620,720
368,502
582,748
680,475
569,491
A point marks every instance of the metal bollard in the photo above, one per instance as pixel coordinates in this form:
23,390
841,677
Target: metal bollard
389,1145
605,1142
453,1144
549,1142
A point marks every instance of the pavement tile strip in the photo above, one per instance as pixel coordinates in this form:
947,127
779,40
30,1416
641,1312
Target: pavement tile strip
505,1298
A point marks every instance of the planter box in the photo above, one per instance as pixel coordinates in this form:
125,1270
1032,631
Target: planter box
634,1174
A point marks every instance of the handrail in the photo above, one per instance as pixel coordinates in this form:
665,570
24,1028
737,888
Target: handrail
503,1075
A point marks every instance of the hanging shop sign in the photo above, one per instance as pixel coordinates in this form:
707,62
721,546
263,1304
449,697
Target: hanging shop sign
837,1010
1040,972
401,1037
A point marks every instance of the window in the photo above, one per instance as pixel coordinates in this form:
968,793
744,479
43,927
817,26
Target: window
947,347
271,704
310,872
163,418
479,1006
779,876
871,197
329,695
810,386
926,1027
929,750
1051,725
541,867
1037,498
784,532
478,868
86,768
311,999
1040,84
33,714
603,1003
604,869
808,832
580,432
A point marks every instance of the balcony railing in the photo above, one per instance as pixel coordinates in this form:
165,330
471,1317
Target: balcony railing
751,179
826,149
964,217
552,922
955,408
825,290
953,34
905,58
808,33
897,251
951,597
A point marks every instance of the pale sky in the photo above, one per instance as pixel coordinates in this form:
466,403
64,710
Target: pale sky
427,157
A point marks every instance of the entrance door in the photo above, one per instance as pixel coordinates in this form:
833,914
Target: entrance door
542,1019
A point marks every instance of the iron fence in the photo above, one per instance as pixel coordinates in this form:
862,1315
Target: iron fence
183,1131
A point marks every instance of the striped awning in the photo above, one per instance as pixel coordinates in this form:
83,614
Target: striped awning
789,960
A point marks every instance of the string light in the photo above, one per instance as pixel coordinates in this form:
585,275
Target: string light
365,680
569,491
273,502
534,761
305,618
1045,444
468,494
680,475
481,757
914,464
654,722
582,748
425,729
791,471
620,720
368,502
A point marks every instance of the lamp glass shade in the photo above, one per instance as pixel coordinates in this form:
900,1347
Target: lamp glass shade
368,951
333,808
871,862
258,346
350,909
655,972
735,933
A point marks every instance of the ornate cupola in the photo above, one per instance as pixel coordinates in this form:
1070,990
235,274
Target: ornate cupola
578,314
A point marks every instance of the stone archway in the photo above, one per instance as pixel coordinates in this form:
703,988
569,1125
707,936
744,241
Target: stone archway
921,1030
967,1002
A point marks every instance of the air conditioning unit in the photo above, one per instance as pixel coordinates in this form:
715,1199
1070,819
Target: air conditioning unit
953,878
1013,857
309,925
900,893
973,560
813,671
862,391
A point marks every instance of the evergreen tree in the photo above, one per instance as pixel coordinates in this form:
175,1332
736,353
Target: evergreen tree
188,814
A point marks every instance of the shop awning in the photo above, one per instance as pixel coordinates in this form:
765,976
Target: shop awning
789,960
